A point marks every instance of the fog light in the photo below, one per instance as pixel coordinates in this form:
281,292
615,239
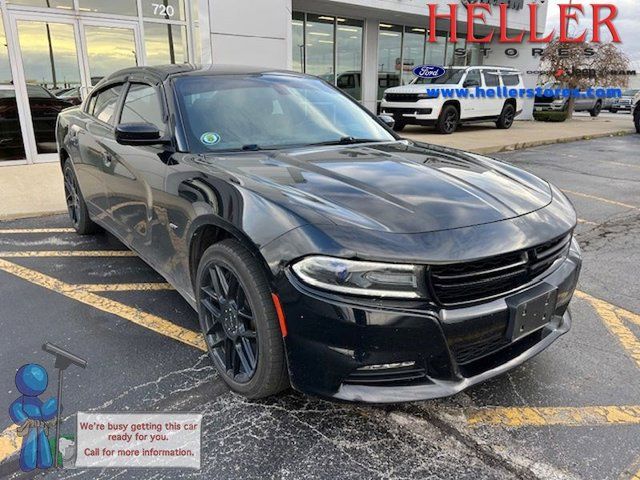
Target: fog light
386,366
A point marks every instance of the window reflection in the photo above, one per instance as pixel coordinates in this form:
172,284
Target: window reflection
412,51
164,9
165,43
5,66
349,56
109,49
320,37
119,7
389,57
297,47
434,54
65,4
50,65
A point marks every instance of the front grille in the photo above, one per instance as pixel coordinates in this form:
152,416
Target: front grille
461,283
466,353
388,377
408,111
401,97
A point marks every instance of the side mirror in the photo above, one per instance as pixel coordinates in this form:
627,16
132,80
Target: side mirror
138,134
387,120
471,83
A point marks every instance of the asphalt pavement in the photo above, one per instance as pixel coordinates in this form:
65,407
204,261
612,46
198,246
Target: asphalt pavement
571,412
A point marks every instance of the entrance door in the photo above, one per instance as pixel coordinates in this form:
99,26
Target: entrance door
62,58
108,48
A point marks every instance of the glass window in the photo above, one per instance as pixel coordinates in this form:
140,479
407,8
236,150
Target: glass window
510,80
412,52
271,111
165,43
142,105
106,103
434,54
389,56
491,78
473,78
65,4
119,7
297,39
109,49
195,30
165,9
349,56
5,65
320,35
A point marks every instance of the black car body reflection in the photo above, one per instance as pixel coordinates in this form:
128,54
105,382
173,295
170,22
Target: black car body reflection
448,267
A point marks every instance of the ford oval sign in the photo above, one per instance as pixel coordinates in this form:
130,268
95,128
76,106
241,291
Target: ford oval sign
429,71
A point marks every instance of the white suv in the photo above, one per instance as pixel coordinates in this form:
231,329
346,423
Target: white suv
435,102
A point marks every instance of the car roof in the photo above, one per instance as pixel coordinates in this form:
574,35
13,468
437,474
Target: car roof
163,72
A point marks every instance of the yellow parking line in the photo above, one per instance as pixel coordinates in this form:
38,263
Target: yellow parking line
124,287
69,253
146,320
601,199
610,315
517,417
10,231
9,443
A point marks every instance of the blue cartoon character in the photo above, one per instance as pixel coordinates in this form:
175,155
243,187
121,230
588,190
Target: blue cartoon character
33,417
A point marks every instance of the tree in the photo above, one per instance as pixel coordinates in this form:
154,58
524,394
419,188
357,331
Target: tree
599,64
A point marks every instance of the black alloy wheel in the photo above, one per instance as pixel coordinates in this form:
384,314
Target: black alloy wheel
448,120
508,115
595,111
76,206
229,325
239,322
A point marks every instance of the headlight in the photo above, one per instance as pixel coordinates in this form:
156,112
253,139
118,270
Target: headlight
423,96
353,277
558,101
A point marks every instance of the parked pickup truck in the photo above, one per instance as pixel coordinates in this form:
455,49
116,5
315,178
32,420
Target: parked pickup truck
561,104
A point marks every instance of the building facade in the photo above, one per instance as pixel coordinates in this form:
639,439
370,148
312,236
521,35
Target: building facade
53,51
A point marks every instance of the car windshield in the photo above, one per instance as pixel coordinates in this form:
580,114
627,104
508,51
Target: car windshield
451,77
270,111
629,93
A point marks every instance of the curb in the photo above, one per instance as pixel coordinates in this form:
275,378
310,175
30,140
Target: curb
554,141
18,216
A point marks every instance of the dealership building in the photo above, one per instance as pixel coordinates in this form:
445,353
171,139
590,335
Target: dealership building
53,51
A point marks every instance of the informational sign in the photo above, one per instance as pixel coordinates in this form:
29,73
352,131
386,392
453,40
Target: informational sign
150,440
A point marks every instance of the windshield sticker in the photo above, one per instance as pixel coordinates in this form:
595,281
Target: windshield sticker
210,138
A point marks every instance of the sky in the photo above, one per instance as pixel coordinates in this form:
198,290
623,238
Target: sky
627,23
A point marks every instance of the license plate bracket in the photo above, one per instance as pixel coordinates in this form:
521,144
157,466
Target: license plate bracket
531,311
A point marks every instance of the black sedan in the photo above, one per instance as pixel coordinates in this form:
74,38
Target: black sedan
321,250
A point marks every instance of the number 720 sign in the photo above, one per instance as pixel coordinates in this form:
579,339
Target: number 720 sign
163,10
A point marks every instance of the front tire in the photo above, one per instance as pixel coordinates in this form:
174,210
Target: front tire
399,126
239,321
448,120
76,206
506,118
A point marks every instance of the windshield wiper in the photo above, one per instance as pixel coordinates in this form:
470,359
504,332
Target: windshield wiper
345,141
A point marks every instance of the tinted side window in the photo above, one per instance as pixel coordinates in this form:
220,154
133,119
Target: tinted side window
473,76
491,79
510,80
105,104
142,105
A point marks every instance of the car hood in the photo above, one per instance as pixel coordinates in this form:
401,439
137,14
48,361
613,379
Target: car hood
398,187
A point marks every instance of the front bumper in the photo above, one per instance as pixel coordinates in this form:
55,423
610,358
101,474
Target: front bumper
329,341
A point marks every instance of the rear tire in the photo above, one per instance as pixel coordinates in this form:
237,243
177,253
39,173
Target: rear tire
595,111
613,110
636,118
448,120
239,321
506,118
76,206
